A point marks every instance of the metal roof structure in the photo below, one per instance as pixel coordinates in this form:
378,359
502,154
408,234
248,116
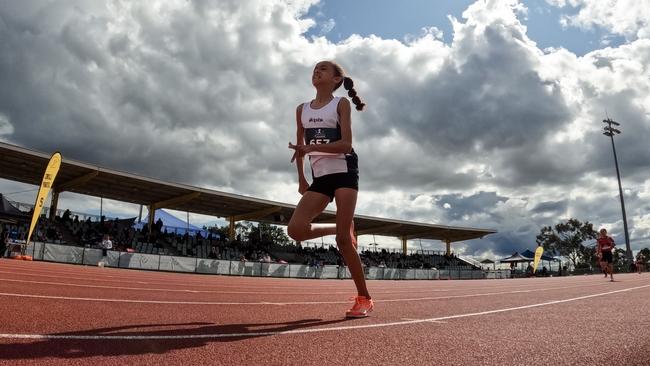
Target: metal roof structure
27,166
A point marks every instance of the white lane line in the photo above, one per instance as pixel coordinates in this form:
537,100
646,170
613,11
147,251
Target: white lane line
285,288
212,279
429,321
155,281
322,293
418,290
9,294
310,330
171,290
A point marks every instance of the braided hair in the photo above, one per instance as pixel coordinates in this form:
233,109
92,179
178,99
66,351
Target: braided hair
348,85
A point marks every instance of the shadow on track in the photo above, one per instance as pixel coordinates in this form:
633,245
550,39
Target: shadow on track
81,348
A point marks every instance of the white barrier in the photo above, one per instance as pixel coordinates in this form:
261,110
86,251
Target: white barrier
301,271
177,264
246,268
90,256
275,270
422,274
112,259
35,249
210,266
139,261
374,273
63,254
498,274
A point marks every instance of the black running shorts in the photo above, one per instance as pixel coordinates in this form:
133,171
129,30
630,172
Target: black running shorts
607,256
328,184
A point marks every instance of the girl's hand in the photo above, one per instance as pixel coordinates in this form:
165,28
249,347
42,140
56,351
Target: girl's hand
300,150
303,185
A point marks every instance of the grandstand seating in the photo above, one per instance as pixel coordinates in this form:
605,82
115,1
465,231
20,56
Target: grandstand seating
88,233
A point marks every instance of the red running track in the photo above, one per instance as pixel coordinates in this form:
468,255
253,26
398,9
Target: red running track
59,314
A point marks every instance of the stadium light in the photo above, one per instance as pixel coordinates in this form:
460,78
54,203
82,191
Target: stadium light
611,131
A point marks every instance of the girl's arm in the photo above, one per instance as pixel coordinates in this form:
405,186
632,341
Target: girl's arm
300,140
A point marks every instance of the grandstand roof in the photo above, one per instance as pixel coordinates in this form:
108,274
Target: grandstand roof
27,166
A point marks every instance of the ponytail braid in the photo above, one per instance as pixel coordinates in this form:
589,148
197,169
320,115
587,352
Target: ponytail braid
348,84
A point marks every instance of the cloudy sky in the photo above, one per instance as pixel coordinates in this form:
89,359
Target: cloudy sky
484,114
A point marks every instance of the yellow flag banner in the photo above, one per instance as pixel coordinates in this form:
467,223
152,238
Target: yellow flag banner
48,179
538,255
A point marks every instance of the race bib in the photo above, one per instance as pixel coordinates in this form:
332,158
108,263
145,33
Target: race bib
319,136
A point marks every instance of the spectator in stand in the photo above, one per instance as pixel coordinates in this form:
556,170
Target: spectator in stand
4,239
66,216
39,235
214,253
529,270
50,233
105,245
266,258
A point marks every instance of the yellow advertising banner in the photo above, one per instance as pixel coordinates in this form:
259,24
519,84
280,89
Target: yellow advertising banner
48,179
538,255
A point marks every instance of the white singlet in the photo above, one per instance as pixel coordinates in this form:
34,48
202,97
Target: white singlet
322,127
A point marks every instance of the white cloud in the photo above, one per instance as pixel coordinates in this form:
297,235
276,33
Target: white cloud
6,128
629,18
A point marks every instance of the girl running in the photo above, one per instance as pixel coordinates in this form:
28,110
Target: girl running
324,133
605,245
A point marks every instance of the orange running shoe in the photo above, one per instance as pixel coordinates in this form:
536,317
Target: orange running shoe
362,306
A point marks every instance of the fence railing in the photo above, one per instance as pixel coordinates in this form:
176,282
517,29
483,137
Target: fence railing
90,256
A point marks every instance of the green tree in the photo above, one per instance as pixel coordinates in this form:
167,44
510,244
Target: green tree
251,231
620,260
223,231
588,256
646,253
567,239
268,233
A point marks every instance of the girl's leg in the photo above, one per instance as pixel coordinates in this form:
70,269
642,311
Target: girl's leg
311,205
346,202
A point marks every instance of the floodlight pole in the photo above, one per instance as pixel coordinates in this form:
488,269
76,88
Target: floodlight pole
611,131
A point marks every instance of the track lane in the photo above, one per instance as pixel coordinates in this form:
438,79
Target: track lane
482,339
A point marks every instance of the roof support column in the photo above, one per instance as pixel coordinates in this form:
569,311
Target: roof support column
404,245
152,213
231,229
53,204
448,242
